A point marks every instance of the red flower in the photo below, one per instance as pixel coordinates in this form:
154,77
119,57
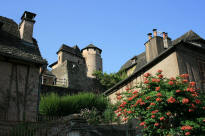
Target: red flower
148,108
193,106
172,78
118,93
152,103
184,76
185,101
171,100
192,83
146,81
177,91
159,71
153,116
157,80
156,124
127,89
158,94
185,81
157,88
155,111
203,108
186,128
142,123
142,103
170,82
191,110
160,76
187,133
129,112
204,120
158,99
119,114
168,113
135,92
197,101
162,118
147,74
119,97
148,97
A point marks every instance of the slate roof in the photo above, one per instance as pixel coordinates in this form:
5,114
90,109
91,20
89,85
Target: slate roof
73,50
190,38
92,47
12,46
138,60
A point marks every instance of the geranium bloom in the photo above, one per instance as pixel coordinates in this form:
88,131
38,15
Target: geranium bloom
142,123
185,81
186,128
156,124
152,103
153,116
119,114
148,108
147,74
172,78
157,88
197,101
170,82
168,113
146,81
158,94
184,76
142,103
192,83
138,101
177,91
129,112
162,118
171,100
187,133
127,89
160,76
159,71
148,97
158,99
119,97
155,111
135,92
191,110
185,100
193,106
118,93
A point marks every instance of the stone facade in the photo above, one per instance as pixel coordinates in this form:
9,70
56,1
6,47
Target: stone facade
76,67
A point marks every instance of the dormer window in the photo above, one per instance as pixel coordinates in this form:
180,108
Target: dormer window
134,60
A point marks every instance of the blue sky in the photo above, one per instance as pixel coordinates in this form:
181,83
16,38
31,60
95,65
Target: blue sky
118,27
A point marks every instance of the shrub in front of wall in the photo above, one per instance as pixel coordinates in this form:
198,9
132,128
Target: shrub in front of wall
60,106
164,106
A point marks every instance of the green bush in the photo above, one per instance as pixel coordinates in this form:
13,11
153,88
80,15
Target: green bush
55,105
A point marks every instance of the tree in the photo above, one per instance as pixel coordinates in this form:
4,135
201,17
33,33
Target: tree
164,106
109,80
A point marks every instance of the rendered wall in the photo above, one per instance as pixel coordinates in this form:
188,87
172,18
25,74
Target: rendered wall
169,66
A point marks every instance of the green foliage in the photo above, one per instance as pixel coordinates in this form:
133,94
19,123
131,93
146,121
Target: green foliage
23,129
165,106
109,80
64,105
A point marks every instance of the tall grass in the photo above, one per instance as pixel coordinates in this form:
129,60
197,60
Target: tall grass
55,105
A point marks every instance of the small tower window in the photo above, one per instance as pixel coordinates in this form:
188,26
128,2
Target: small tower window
59,58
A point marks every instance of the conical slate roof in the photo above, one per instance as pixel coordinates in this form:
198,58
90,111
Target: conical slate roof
92,47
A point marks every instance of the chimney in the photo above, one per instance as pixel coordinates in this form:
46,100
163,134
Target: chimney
164,35
26,26
155,32
149,35
165,40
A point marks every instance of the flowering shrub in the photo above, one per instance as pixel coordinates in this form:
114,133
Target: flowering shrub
164,106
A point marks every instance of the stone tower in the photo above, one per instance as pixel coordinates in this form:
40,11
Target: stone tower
92,55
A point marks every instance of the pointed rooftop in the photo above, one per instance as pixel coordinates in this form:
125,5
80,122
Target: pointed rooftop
91,46
188,36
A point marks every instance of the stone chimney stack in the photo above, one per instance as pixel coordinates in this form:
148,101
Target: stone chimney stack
156,45
26,26
155,32
149,35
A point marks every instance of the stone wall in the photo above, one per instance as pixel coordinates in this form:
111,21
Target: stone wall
66,126
19,84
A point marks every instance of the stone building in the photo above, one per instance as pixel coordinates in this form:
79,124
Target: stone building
186,54
74,67
20,64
